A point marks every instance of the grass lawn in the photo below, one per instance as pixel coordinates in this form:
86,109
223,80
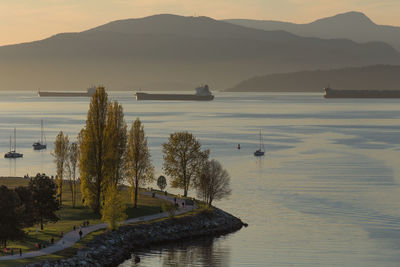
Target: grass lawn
66,253
73,216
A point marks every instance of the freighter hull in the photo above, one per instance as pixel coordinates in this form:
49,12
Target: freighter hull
64,94
333,93
172,97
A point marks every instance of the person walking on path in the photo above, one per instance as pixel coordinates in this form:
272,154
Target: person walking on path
80,234
20,252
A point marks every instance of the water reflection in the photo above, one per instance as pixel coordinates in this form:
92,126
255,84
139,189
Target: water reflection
199,252
12,166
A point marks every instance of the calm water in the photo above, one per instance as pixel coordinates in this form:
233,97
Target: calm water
326,193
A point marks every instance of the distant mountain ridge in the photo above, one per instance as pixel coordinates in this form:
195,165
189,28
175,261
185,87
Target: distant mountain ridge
378,77
169,52
354,26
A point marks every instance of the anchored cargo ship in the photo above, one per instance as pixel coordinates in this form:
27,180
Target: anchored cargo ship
334,93
202,94
90,92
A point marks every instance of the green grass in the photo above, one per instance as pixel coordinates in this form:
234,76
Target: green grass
66,253
74,216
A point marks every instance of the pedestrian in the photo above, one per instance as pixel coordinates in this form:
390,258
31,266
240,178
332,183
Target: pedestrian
183,204
87,223
61,234
40,245
37,230
20,252
74,227
84,223
80,234
12,251
175,200
52,240
36,245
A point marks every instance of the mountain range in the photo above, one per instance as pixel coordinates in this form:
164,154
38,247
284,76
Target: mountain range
169,52
354,26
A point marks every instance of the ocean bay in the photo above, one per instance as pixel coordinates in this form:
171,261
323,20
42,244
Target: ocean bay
325,193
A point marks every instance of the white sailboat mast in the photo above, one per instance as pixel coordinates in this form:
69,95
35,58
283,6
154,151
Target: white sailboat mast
41,132
15,139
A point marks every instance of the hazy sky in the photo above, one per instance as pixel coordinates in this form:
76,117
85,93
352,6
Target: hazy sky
27,20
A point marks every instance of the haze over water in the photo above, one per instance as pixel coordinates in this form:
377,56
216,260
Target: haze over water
325,194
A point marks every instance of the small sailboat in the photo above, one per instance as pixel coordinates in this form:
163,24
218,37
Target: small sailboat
39,145
12,154
260,152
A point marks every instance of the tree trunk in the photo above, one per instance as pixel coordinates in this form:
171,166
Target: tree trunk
41,222
136,192
74,195
185,192
60,194
97,207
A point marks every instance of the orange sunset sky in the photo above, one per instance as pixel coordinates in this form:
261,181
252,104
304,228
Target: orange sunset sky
28,20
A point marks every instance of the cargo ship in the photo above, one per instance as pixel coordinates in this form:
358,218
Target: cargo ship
202,94
90,92
334,93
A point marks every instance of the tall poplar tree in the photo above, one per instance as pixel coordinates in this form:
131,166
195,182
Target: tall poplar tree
115,136
72,164
183,159
60,155
138,165
93,150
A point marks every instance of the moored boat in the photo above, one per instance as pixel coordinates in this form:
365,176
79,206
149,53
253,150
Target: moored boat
260,152
39,145
12,154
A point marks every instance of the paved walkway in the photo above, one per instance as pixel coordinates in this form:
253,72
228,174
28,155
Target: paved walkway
72,237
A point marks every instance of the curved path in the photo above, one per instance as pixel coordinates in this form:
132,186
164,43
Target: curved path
72,237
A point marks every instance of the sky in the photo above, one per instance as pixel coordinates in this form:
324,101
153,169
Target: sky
29,20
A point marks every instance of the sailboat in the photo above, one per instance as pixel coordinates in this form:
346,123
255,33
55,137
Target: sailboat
260,152
39,145
12,154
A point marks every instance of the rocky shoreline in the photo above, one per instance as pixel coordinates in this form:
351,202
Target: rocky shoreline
114,247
